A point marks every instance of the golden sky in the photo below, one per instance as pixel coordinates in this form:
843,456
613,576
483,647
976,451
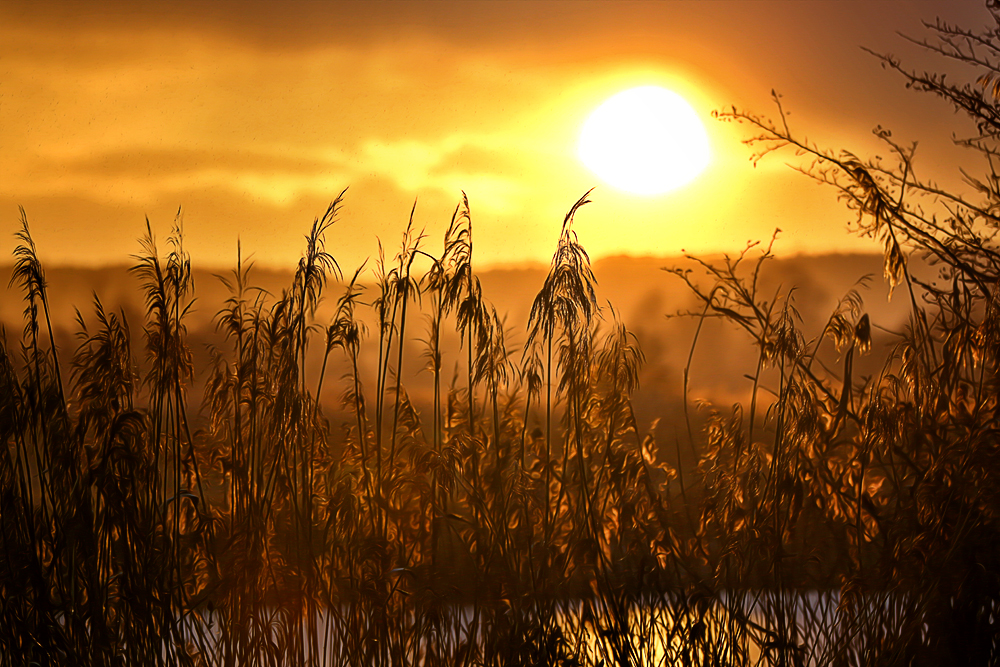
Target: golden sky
252,116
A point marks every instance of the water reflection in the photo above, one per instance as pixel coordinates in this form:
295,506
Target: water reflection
733,628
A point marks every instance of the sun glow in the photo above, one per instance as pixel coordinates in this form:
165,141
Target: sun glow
645,140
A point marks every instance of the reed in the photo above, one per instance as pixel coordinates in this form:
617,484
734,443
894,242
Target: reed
505,506
523,516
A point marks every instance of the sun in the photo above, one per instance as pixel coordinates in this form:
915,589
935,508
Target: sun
645,140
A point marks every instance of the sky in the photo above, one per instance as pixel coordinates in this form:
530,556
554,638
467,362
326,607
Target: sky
250,117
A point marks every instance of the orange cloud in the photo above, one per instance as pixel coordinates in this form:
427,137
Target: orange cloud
253,118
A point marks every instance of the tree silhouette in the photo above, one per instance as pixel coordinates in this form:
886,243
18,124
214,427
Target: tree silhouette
904,465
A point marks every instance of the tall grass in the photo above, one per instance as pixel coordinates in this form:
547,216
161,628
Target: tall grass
518,516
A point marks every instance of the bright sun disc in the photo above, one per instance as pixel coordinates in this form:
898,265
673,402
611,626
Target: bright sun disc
646,140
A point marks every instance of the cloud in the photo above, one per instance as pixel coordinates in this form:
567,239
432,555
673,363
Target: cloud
453,164
252,116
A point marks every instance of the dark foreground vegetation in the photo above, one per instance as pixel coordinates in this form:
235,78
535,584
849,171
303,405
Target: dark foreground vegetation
523,518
